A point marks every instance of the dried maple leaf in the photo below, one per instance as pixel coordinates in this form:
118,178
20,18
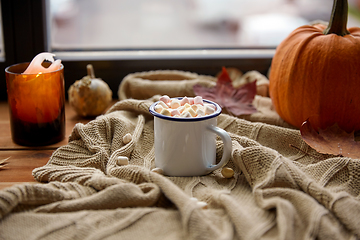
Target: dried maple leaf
332,140
235,101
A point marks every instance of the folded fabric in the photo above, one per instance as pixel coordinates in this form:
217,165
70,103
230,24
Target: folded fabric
281,189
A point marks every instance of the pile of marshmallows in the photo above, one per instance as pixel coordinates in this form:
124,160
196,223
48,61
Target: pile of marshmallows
184,108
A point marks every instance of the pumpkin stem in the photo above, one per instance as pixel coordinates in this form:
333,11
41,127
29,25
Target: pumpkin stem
338,19
90,71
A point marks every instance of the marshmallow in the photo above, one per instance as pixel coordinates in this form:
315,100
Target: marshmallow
209,110
158,170
198,100
175,103
191,101
184,100
175,112
210,105
158,108
181,109
165,99
187,105
122,160
164,105
186,114
202,205
192,112
127,138
200,112
194,107
165,112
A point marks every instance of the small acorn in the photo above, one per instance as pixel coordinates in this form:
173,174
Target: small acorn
89,96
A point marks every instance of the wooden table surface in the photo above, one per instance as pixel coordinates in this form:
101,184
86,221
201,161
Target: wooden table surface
22,160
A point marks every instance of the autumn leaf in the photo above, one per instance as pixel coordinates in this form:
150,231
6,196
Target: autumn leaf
235,101
332,140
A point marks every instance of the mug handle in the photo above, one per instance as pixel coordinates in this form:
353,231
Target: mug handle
227,148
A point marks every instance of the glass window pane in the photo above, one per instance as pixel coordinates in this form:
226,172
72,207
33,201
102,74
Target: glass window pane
180,24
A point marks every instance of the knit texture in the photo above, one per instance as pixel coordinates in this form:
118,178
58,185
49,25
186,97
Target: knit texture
281,189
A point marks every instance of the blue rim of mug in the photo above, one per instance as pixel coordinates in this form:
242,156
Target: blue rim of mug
181,119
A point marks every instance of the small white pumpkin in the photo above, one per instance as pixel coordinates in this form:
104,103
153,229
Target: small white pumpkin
89,96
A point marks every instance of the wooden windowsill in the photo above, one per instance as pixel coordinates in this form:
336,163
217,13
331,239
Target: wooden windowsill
22,160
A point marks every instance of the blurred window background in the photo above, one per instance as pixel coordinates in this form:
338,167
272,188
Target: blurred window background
180,24
120,37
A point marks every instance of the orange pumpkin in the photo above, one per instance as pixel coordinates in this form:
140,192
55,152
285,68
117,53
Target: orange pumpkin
315,74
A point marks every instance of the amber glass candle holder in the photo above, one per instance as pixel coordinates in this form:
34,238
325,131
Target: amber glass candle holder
36,104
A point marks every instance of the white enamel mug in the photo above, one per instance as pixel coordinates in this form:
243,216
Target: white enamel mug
187,146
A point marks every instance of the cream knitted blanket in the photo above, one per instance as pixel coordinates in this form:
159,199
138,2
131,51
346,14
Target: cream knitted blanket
282,189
